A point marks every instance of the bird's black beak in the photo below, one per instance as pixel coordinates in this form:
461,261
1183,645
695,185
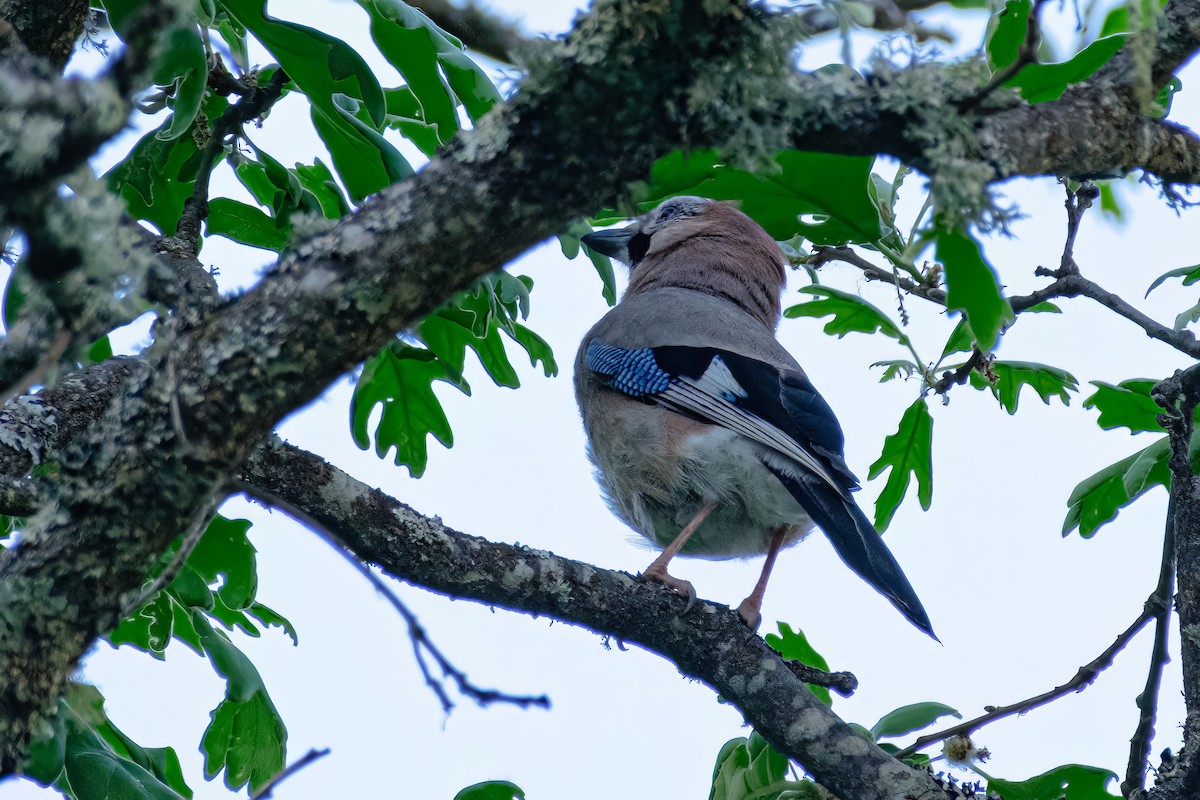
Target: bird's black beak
613,243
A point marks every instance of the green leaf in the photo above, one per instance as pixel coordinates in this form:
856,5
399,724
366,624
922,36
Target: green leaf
906,453
1007,33
183,66
491,790
320,183
1161,105
828,199
972,286
100,350
321,66
89,754
1190,275
326,69
433,65
537,348
907,719
246,224
851,314
224,554
400,379
95,772
148,629
1115,21
270,617
404,113
1040,83
365,160
1126,405
961,340
896,368
1098,499
1012,376
1187,317
569,240
750,768
793,645
1071,782
246,736
156,178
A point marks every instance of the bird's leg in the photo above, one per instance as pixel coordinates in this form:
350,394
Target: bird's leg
657,571
751,607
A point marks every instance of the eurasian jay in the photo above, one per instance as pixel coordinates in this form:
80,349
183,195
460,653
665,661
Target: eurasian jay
708,438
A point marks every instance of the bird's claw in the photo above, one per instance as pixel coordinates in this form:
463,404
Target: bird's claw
677,585
750,613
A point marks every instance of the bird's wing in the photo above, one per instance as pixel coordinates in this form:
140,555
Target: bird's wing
780,409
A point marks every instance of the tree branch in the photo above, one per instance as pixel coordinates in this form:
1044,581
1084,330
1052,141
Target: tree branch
1147,702
1179,395
1082,679
421,643
708,643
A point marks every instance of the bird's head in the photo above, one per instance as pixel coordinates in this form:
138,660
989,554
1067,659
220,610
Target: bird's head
701,244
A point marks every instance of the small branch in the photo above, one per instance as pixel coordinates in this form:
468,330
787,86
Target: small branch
1082,679
1147,701
844,683
310,757
421,643
960,376
163,579
1027,54
824,255
1078,286
253,104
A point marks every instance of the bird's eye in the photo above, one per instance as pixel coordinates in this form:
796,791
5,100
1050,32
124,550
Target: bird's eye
667,213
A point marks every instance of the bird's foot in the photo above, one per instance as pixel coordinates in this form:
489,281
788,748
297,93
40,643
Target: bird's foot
677,585
750,612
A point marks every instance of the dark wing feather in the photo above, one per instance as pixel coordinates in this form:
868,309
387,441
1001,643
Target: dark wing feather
783,411
857,542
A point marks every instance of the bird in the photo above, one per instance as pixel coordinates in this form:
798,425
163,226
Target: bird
708,438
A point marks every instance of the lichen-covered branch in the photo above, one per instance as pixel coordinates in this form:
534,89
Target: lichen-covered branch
708,643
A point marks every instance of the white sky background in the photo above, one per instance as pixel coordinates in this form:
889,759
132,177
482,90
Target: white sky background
1017,607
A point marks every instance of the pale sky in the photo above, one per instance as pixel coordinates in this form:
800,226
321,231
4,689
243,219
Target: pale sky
1018,608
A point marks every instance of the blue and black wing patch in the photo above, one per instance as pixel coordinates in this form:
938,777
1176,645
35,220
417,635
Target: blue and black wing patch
780,410
634,372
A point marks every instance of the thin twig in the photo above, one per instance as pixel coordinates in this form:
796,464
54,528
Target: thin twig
1082,679
195,530
1078,286
308,758
1147,701
824,255
421,642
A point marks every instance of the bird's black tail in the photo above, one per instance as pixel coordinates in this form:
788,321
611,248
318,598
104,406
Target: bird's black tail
858,543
